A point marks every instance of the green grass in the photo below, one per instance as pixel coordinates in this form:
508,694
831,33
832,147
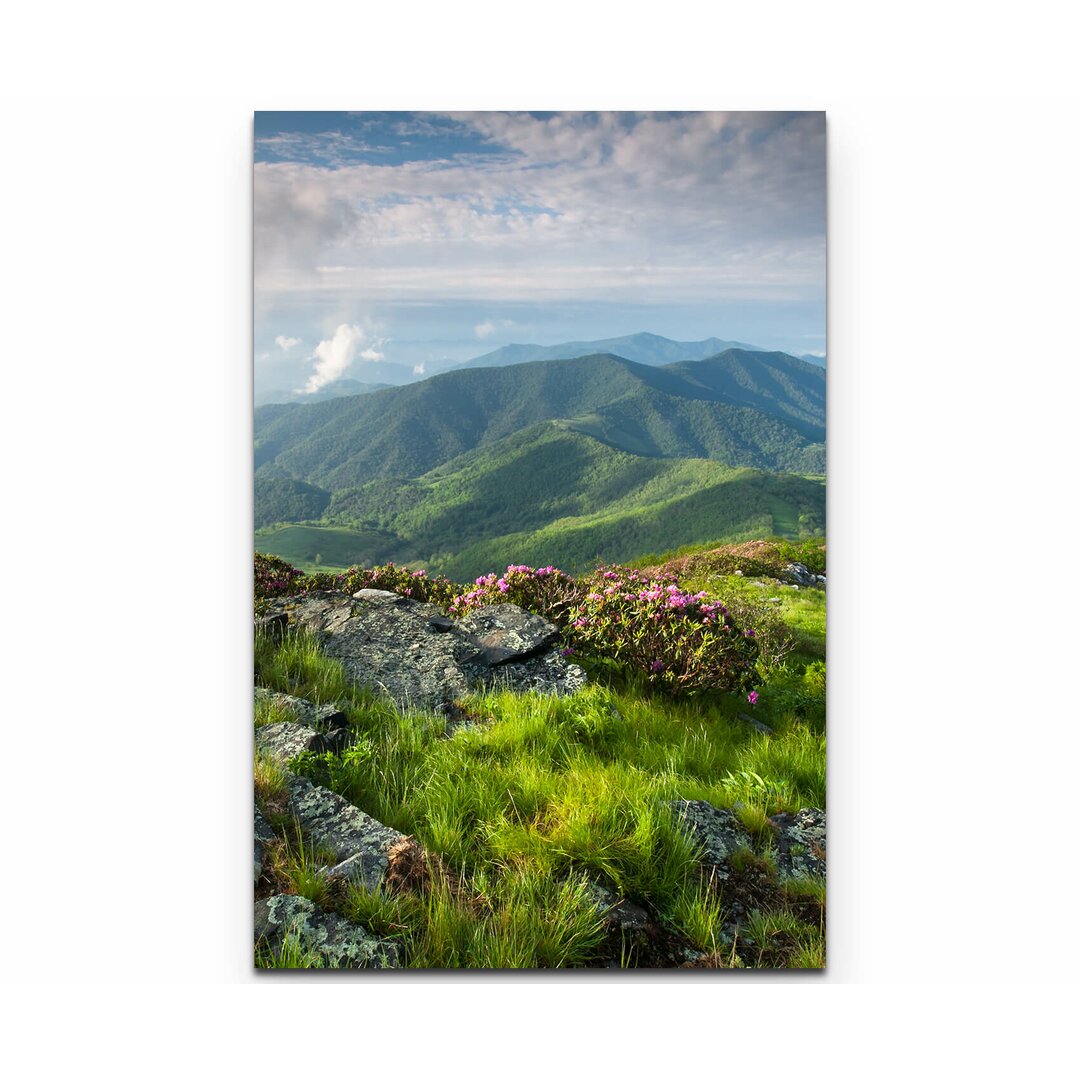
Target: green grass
519,812
519,809
802,610
291,954
337,548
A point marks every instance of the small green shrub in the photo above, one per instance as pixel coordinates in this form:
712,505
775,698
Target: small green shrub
331,770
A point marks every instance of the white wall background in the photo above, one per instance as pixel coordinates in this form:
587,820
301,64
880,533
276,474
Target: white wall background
952,369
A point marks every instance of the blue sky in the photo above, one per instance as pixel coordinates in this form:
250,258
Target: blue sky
393,245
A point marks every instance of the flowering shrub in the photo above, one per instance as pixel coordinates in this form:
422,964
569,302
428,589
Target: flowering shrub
546,591
682,642
399,579
274,577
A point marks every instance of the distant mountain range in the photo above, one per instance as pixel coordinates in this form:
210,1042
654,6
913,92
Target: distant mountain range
341,388
642,348
595,456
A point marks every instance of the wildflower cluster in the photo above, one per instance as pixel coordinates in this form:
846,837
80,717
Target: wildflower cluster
682,642
275,577
547,591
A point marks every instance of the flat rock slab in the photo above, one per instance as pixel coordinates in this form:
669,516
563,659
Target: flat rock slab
406,650
800,842
329,717
337,942
720,832
284,741
507,632
345,832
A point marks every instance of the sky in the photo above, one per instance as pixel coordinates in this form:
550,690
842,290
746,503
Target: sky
389,246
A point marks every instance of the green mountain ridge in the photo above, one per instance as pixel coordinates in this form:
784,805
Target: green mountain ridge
560,461
551,494
687,409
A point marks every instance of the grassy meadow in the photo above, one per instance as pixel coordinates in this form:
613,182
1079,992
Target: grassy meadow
522,811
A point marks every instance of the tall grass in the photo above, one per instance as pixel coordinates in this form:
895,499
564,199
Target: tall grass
522,809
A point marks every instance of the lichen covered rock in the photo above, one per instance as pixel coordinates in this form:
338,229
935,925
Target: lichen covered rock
800,843
284,741
507,632
720,832
410,652
343,831
325,717
334,941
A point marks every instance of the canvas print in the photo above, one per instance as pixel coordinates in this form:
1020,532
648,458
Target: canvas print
539,493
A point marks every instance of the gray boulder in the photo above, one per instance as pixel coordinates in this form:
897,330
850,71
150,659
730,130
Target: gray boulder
411,653
804,576
334,941
800,843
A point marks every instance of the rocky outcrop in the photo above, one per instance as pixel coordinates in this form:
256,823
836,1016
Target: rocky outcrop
329,939
413,654
804,577
800,843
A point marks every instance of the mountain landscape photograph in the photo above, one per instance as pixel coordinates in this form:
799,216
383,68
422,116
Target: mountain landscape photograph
539,473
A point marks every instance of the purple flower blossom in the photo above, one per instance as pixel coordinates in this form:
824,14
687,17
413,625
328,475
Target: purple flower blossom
752,697
656,665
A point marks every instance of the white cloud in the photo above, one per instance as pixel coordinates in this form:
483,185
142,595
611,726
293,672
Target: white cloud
484,329
286,343
702,206
372,353
419,369
333,357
